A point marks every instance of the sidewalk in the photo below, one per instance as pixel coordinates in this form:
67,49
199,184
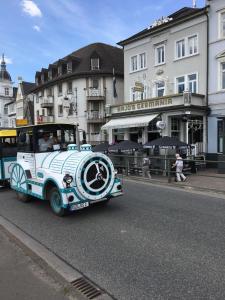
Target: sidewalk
203,180
21,278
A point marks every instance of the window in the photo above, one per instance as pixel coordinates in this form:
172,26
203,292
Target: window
69,87
25,140
188,46
192,83
138,95
160,55
94,63
71,109
60,110
142,60
180,84
5,110
49,92
192,45
160,89
222,25
60,89
6,91
43,112
95,83
180,49
134,63
38,114
187,82
222,70
220,136
175,127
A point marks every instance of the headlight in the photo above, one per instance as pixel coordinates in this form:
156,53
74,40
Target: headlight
68,179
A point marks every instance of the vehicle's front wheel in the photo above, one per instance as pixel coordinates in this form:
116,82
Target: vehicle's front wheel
56,202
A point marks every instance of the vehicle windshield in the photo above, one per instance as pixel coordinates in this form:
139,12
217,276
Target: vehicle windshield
52,139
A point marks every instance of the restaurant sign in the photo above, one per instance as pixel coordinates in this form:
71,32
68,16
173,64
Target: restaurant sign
148,104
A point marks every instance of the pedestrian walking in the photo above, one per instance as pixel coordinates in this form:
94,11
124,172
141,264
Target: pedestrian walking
145,168
179,164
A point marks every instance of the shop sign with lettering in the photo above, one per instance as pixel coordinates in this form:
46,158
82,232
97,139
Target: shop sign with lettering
148,104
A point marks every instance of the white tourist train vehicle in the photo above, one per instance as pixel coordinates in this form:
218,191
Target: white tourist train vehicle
52,166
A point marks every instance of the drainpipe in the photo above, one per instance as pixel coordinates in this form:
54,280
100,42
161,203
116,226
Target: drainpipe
207,79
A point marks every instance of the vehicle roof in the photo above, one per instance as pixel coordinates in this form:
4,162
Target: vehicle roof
47,124
7,132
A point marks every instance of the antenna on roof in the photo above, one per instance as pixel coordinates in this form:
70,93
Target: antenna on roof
194,3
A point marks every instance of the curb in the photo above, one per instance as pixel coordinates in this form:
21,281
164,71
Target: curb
53,264
187,188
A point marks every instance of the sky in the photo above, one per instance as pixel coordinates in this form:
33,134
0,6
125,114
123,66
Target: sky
35,33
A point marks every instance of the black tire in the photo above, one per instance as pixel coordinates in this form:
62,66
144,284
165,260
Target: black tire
55,200
23,197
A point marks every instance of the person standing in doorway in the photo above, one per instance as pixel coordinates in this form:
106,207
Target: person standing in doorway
179,168
145,168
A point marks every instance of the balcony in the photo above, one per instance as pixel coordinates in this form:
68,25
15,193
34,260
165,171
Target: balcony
95,94
45,119
47,102
95,117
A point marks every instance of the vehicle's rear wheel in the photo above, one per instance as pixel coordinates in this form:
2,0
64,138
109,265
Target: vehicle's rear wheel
56,202
23,197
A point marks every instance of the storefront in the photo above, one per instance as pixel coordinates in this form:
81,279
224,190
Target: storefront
183,116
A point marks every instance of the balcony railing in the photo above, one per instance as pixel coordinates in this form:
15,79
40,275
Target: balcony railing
47,102
95,117
45,119
95,94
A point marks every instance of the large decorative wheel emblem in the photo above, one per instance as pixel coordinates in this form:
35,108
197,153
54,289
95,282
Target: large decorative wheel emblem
18,178
96,177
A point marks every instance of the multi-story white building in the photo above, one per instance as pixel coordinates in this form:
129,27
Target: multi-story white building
216,90
78,87
165,72
25,103
6,94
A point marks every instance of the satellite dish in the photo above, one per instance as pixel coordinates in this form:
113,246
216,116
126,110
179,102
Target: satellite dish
161,124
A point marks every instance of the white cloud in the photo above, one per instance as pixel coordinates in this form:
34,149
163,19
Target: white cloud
37,28
8,60
31,8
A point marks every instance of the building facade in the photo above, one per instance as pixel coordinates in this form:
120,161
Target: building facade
165,72
78,87
6,94
216,90
25,103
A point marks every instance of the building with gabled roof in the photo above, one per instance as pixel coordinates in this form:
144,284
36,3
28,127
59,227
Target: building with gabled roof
78,87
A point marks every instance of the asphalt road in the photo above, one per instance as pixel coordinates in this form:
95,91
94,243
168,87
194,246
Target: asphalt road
152,243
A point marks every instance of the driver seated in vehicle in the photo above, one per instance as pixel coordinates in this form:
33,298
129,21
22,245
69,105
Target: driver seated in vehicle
46,142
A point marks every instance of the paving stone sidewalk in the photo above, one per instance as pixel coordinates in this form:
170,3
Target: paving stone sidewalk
206,179
21,278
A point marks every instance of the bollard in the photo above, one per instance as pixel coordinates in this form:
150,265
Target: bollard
168,170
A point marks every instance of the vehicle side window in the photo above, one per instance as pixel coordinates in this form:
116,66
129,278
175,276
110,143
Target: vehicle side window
25,141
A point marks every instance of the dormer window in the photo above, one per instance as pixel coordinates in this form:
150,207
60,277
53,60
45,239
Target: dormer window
94,63
69,67
6,91
60,70
50,74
